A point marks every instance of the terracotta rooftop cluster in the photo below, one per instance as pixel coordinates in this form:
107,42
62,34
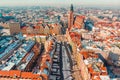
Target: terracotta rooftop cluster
42,29
76,37
43,67
19,75
107,24
95,66
18,65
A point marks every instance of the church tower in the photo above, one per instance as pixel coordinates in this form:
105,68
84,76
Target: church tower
70,17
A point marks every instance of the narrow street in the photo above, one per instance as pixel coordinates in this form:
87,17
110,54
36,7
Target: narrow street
66,65
61,69
56,66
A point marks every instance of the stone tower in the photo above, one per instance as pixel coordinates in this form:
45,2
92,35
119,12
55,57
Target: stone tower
70,17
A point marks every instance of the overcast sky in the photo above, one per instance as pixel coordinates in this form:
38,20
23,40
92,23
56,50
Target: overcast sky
114,3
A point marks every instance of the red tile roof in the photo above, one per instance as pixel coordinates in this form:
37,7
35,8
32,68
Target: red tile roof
27,75
18,75
13,73
4,73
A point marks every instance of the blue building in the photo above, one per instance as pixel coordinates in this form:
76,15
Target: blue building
89,24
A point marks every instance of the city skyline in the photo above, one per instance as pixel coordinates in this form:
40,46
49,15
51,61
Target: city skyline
59,40
102,3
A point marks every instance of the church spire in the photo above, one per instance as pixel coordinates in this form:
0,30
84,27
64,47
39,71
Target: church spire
71,8
70,17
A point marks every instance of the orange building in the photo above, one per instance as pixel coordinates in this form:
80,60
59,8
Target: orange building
42,29
79,22
56,29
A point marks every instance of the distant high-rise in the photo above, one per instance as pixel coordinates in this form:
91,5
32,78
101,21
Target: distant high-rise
70,17
14,28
